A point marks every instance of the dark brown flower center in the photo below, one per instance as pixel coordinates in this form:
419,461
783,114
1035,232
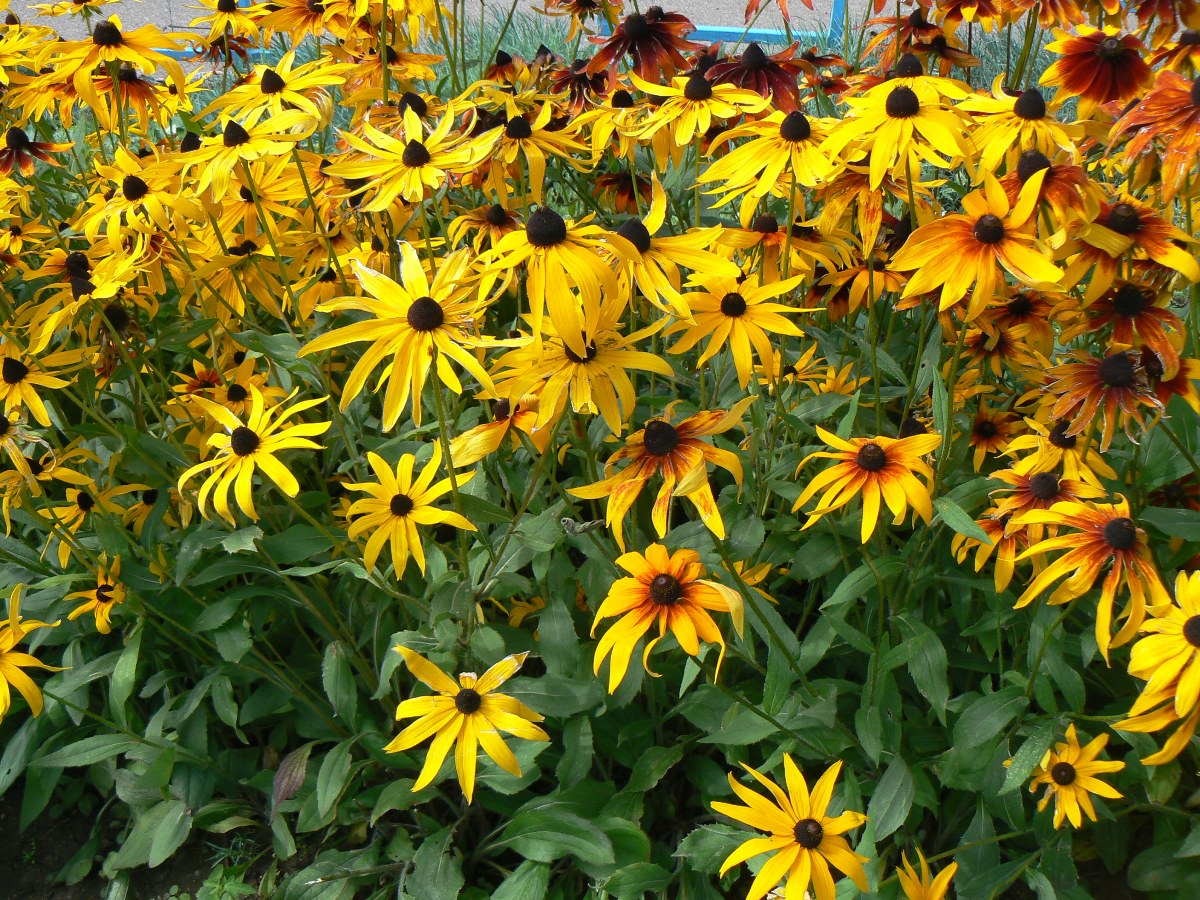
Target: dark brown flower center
1124,218
809,833
985,428
468,701
81,287
753,58
414,101
902,103
16,139
496,215
518,129
271,82
1030,105
134,188
1060,439
1044,485
765,224
502,409
401,505
150,496
1020,306
1120,534
660,437
698,88
589,350
912,426
190,142
235,135
117,317
104,593
236,393
243,441
871,457
1063,773
635,232
245,248
85,501
795,127
1030,163
621,99
426,314
13,370
1117,371
908,66
1191,631
106,34
733,305
1111,48
227,6
545,228
665,590
415,155
1130,300
636,27
503,58
989,229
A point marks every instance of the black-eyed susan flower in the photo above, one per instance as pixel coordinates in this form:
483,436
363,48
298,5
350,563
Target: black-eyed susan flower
217,157
805,841
245,447
1069,773
80,506
269,90
19,152
1056,448
1167,118
20,378
1007,124
413,324
100,599
1002,544
1168,659
510,419
397,503
879,468
465,714
666,590
924,885
773,75
1138,315
1101,536
737,312
958,251
991,432
691,104
656,41
1097,65
677,453
13,662
535,140
143,48
1102,392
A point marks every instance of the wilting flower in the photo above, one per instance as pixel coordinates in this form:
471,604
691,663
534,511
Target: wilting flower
13,663
775,76
804,840
19,152
248,446
397,504
1069,773
676,452
656,40
667,590
1104,536
466,714
878,467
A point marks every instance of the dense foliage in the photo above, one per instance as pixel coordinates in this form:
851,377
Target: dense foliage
644,468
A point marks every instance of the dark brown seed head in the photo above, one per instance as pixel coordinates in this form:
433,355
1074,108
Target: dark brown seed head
518,129
665,590
1044,485
698,88
1196,92
590,352
660,437
501,409
243,441
1063,773
1120,534
1124,218
636,27
908,66
426,314
809,833
1030,163
467,701
1030,105
912,426
85,501
765,224
985,428
190,142
81,287
134,188
621,99
401,505
902,103
545,228
414,101
117,318
106,34
1131,300
1060,439
753,58
16,139
271,82
1111,48
989,229
871,457
496,215
149,496
635,232
415,155
227,6
733,305
1117,371
236,393
104,593
795,127
235,135
1191,631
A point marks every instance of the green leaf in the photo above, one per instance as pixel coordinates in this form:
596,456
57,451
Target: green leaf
706,847
437,869
90,750
638,879
529,881
1180,523
338,681
1191,845
333,777
395,795
546,834
893,798
928,664
217,614
242,540
863,579
172,831
1027,757
651,766
289,777
578,752
983,719
959,520
941,410
123,676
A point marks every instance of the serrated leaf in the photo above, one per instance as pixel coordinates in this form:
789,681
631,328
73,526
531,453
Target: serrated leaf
338,681
638,879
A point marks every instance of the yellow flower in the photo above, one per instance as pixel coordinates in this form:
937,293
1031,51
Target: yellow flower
804,840
101,599
691,103
666,588
12,663
1069,774
878,467
248,446
924,886
466,714
397,504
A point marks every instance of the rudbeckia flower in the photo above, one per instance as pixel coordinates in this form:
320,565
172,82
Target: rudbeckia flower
1104,535
1053,446
676,452
13,663
19,152
414,324
1101,392
878,467
1097,65
270,90
99,600
958,251
1069,773
219,155
249,446
691,103
1168,119
466,714
1168,659
665,589
924,886
804,839
1138,315
656,40
143,49
775,76
537,141
511,419
736,311
1001,543
397,504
